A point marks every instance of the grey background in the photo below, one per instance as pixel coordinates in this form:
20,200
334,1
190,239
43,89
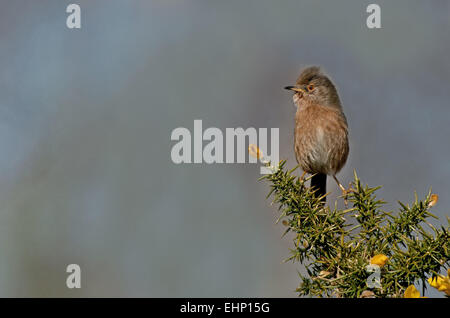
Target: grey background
86,117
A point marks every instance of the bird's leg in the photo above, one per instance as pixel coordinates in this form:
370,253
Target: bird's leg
345,192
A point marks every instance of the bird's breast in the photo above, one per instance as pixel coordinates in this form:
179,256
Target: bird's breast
321,142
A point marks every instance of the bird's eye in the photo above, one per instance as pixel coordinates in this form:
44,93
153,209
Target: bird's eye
310,87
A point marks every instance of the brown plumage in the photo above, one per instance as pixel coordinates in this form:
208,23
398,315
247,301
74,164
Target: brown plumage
321,132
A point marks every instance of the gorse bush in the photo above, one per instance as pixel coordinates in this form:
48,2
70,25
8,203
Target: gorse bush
361,251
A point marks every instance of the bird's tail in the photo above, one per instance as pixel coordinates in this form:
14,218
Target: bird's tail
319,182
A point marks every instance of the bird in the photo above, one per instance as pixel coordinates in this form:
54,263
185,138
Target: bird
321,131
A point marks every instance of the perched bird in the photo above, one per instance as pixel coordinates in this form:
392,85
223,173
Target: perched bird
321,131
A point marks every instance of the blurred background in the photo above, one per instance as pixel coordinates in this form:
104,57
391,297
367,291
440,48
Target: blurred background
86,117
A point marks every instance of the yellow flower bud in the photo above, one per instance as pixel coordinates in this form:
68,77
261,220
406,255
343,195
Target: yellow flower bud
434,199
411,292
379,259
254,151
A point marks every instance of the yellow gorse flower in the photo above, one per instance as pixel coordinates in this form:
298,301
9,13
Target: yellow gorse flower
441,283
254,151
412,292
433,200
257,153
379,259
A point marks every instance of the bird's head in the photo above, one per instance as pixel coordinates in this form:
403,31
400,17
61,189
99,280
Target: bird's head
313,86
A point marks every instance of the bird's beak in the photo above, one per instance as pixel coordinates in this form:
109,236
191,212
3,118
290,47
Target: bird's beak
295,89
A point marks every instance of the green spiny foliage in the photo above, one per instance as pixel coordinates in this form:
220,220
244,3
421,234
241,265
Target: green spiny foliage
335,246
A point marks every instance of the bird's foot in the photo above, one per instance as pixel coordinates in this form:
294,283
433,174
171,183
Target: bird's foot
345,192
